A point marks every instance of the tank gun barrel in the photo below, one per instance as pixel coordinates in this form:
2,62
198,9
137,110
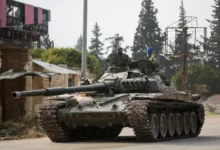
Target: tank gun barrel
60,91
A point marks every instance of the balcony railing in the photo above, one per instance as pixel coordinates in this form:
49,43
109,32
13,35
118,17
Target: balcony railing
14,22
9,36
27,36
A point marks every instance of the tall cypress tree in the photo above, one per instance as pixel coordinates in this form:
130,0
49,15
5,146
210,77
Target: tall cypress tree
148,32
96,47
116,42
79,43
182,34
214,41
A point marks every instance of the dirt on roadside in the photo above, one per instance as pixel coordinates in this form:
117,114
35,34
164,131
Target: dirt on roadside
15,131
212,104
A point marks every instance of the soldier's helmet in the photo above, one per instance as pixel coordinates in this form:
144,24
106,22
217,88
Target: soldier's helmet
120,50
149,50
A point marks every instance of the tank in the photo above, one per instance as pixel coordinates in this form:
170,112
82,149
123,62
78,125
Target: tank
132,96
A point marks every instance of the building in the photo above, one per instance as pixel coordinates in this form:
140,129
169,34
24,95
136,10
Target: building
21,28
37,75
22,25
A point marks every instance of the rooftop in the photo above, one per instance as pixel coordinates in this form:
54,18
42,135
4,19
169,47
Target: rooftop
54,68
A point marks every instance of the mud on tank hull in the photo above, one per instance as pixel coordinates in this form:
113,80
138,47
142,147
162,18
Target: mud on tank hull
153,118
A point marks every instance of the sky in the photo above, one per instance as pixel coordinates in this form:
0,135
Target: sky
113,16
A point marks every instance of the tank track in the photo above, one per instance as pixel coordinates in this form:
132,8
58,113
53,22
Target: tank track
59,132
139,112
48,120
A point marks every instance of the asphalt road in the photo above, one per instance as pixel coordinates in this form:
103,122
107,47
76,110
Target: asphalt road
209,139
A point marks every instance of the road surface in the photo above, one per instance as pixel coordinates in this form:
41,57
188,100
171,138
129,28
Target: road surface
208,140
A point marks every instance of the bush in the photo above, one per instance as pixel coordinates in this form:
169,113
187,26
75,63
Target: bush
19,130
69,56
211,108
202,79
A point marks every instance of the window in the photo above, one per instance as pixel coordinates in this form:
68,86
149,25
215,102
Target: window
35,15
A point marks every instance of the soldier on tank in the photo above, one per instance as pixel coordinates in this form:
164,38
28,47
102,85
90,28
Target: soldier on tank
119,61
122,59
156,63
154,59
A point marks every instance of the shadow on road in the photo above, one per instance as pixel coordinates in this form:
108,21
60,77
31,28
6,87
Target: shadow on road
132,140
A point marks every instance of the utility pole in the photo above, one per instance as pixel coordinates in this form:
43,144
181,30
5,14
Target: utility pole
184,83
84,48
185,54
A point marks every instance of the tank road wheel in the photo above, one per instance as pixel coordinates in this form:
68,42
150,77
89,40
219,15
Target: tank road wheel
179,124
163,125
193,123
186,123
155,125
171,124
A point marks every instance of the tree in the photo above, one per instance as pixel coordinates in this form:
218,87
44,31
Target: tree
199,75
37,53
148,32
69,56
96,47
79,43
181,44
46,42
116,42
182,32
214,40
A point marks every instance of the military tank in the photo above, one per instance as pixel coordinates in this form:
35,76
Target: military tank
130,96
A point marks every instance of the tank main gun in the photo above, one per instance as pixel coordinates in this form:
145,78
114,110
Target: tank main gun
60,90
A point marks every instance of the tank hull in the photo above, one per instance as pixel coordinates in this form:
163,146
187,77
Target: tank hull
152,118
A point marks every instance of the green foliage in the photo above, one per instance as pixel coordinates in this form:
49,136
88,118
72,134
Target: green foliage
199,75
182,38
93,64
177,79
214,41
19,130
181,45
116,42
54,56
69,56
36,53
96,47
79,43
148,32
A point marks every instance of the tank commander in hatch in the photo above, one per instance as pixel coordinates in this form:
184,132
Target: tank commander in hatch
118,60
154,59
